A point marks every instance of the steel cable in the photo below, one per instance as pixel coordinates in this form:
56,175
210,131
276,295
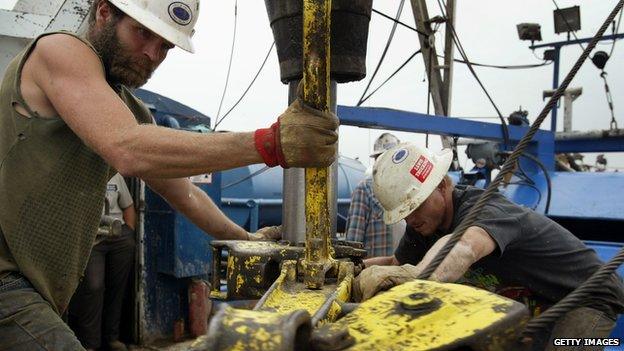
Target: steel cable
383,54
589,287
253,80
227,77
546,175
463,54
392,75
528,66
396,20
616,30
538,322
525,66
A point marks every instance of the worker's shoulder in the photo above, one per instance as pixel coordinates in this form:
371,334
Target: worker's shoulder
64,49
365,185
466,196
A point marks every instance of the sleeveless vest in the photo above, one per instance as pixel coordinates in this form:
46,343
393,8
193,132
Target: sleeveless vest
52,189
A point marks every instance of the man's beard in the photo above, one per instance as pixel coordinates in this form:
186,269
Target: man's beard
120,67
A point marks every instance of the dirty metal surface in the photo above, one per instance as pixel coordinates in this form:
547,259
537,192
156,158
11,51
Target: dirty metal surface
419,315
316,93
244,330
252,267
283,318
288,293
425,315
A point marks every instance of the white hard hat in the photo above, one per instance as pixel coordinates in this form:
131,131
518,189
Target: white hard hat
384,142
172,20
405,176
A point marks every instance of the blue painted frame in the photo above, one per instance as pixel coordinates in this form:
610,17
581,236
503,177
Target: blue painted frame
543,145
556,60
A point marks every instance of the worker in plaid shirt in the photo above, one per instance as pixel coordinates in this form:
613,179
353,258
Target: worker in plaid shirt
365,222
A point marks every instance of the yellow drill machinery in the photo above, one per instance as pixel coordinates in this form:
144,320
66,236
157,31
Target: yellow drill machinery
304,291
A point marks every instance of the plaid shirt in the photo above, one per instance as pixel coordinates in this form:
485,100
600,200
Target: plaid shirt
365,223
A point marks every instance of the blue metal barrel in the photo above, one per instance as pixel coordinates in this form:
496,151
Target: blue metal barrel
252,195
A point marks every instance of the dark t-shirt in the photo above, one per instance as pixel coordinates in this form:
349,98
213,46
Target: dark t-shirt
537,261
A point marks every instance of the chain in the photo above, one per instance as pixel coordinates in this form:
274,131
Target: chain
613,124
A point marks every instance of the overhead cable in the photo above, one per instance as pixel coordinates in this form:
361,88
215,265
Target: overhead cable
527,66
396,20
248,87
227,77
392,75
546,176
616,29
523,66
385,51
462,52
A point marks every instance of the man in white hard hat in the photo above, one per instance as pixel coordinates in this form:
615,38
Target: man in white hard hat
69,121
365,221
509,249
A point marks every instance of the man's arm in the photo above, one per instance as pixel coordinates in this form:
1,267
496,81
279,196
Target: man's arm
381,261
71,77
129,217
475,244
197,206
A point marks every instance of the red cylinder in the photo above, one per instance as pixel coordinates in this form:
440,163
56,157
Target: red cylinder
200,307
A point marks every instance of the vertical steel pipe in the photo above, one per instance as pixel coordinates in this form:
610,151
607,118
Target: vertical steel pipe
293,188
293,209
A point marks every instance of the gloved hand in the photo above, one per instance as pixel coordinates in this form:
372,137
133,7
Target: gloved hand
301,137
266,233
378,278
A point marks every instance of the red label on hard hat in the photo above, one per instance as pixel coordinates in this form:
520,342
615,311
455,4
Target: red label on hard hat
421,169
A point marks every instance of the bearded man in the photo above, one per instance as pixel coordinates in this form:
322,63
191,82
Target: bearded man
68,122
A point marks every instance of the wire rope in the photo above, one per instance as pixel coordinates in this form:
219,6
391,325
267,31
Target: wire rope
383,54
227,77
248,87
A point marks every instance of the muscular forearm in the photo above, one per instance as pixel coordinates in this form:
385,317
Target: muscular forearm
149,151
197,206
379,261
205,214
456,263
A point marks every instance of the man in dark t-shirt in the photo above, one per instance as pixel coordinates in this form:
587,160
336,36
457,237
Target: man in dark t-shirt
509,249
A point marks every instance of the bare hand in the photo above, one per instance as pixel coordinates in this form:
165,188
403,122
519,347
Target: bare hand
266,233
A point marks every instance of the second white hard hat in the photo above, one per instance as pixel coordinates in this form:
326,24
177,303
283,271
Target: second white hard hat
405,176
384,142
172,20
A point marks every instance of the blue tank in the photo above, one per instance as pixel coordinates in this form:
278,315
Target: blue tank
252,196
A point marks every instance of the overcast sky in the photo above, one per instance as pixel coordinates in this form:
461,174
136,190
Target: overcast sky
487,29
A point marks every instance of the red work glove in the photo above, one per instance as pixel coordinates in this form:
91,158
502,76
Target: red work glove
268,145
301,137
